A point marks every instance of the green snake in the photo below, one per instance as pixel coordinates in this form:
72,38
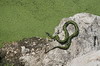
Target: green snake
67,40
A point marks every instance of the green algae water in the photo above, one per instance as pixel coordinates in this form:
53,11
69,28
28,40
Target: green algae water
28,18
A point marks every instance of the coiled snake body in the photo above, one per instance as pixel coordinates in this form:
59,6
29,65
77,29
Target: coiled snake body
67,40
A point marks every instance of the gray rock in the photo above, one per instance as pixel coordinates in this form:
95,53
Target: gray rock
89,59
87,40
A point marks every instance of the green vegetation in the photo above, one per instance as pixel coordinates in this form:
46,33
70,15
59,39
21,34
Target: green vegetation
6,64
27,18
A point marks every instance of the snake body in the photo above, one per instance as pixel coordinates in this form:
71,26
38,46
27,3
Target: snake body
67,40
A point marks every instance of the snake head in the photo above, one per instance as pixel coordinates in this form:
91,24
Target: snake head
48,34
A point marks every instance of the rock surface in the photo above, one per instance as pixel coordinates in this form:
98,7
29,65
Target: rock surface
89,59
84,50
25,52
88,39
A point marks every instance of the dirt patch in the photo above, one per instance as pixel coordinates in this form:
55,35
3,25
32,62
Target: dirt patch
11,52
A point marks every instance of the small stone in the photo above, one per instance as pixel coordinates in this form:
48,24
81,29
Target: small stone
32,50
26,42
23,49
34,43
15,52
33,53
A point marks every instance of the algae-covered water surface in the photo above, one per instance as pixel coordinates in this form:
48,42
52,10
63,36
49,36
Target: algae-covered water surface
27,18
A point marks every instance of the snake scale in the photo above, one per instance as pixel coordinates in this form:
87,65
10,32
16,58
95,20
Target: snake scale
67,40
